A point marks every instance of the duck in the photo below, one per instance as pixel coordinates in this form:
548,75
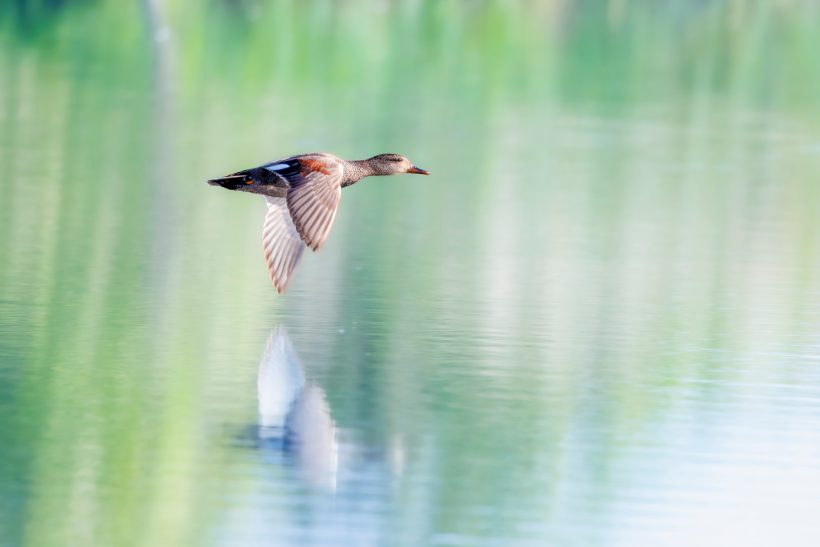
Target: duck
302,193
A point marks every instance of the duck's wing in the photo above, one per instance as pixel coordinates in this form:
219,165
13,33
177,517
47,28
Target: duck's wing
281,243
315,186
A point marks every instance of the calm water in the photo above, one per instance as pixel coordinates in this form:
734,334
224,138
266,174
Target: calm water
597,323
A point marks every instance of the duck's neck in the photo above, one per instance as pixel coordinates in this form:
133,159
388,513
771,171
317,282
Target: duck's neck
356,170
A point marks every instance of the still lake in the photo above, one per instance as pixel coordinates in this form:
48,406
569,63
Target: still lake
596,323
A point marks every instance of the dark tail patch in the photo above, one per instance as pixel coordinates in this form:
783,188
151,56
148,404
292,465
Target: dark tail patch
231,182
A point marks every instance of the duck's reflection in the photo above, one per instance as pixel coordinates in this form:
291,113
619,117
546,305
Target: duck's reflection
293,412
302,454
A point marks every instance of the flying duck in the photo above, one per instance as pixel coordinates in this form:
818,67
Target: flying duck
302,193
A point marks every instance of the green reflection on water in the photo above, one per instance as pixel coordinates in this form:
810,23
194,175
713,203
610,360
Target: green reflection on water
619,237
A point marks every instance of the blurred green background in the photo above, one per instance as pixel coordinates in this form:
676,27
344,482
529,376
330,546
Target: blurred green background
596,323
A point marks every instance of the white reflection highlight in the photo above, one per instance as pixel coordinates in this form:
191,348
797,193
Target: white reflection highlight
280,380
296,412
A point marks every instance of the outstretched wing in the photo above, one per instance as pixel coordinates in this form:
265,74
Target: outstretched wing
281,243
314,189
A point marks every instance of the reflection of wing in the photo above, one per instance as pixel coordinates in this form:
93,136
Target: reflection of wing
312,434
280,379
281,242
296,412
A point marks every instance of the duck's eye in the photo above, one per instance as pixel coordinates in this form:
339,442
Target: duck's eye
395,159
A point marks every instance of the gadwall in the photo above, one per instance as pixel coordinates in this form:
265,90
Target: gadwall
302,193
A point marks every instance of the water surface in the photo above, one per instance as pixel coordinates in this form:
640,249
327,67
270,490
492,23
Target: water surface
596,323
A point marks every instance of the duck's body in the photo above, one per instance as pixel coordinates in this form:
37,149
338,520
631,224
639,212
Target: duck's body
302,193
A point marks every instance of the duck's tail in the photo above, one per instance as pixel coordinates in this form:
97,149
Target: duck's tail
231,182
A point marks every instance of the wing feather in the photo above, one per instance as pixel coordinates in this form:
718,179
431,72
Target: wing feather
313,198
282,245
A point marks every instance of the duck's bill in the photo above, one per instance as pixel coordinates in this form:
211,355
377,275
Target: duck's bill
417,171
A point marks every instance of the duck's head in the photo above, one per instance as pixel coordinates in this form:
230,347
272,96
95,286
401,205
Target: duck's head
393,164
